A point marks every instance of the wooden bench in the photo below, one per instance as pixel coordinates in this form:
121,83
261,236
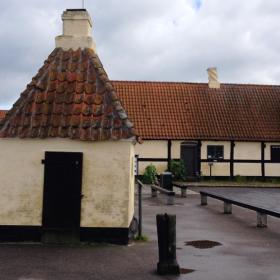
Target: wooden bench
261,212
170,194
182,187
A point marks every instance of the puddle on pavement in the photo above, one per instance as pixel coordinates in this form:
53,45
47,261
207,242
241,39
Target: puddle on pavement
203,244
186,271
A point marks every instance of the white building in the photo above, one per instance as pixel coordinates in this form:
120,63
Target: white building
230,129
67,149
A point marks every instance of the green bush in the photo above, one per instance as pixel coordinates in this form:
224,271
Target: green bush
240,179
275,181
177,168
150,175
141,238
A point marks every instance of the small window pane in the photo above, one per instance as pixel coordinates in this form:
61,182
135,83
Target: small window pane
275,153
215,152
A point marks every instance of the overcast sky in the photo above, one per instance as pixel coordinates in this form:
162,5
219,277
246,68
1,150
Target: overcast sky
165,40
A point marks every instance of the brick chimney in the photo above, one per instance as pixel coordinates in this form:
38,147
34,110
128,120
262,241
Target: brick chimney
77,28
213,78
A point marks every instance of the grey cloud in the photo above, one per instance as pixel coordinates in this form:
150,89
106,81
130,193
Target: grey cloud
148,40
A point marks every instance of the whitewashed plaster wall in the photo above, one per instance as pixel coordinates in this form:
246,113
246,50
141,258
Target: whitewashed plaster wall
108,181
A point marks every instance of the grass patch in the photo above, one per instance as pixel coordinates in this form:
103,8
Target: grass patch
141,238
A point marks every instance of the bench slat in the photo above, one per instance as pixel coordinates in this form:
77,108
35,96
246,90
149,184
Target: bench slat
241,204
179,186
162,190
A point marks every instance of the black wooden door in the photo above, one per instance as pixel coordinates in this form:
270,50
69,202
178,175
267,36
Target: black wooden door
189,154
62,197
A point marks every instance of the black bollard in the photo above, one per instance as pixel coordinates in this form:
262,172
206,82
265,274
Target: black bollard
166,228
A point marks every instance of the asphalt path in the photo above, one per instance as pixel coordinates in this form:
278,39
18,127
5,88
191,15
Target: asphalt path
246,252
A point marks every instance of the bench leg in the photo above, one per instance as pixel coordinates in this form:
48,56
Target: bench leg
170,200
183,192
153,193
227,208
203,199
261,220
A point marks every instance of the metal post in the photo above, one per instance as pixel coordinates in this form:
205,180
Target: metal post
261,220
227,208
137,165
170,199
183,192
203,199
153,192
140,209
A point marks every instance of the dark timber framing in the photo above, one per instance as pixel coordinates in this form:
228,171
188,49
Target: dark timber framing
153,159
232,145
207,160
169,145
199,157
263,159
231,160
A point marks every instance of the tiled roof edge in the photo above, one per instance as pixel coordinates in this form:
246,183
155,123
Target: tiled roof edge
192,83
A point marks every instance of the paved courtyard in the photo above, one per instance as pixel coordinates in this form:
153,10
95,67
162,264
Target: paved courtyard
267,198
246,252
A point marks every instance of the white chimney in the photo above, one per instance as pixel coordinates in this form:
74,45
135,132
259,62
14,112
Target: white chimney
213,78
77,28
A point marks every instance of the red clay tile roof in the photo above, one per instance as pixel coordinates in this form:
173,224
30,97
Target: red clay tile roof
161,110
71,96
2,114
186,111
